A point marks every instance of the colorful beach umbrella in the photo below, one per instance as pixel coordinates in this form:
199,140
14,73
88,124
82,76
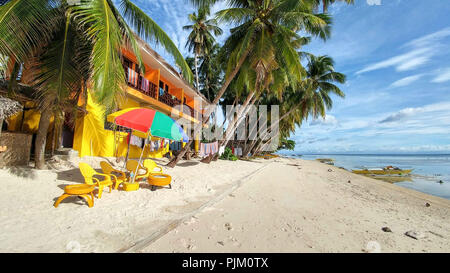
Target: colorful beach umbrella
149,121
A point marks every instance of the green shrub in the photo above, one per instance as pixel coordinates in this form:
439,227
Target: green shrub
228,155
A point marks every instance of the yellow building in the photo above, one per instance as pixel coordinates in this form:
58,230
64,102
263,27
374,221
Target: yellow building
161,88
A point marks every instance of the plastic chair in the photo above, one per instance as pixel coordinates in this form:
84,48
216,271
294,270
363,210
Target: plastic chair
151,166
88,172
132,165
109,170
82,190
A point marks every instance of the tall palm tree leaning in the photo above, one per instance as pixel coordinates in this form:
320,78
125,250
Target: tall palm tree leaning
264,35
201,39
75,44
312,97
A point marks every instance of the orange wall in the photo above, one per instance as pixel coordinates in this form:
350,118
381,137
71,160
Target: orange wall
154,76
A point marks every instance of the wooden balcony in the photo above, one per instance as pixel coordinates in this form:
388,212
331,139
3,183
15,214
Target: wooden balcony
151,90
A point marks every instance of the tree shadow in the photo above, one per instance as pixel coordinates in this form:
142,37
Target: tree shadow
149,187
26,172
187,164
72,175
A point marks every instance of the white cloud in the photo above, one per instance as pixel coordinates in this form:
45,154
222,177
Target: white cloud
443,76
432,112
422,49
413,63
329,120
402,62
406,81
430,39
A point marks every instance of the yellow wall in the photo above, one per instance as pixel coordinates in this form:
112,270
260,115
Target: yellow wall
91,139
30,122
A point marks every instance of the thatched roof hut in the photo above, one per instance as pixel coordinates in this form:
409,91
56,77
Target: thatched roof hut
8,107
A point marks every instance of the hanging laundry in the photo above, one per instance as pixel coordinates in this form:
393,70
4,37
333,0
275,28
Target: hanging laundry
175,146
221,150
145,84
136,141
237,151
132,77
208,148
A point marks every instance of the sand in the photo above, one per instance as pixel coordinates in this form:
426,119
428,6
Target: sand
306,206
277,205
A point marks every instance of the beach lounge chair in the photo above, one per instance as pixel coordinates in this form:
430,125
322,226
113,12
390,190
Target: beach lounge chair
82,190
152,167
132,165
159,180
117,176
88,173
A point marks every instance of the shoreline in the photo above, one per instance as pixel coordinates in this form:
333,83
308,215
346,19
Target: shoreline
178,220
428,176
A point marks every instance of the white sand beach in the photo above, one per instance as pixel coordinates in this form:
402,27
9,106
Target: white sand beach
277,205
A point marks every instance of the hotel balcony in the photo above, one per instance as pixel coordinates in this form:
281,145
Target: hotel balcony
139,83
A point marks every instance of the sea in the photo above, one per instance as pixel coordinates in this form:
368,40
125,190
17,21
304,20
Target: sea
431,173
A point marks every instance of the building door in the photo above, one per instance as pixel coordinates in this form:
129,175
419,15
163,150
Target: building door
67,131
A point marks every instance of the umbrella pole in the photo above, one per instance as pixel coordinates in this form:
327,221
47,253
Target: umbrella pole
115,141
139,162
128,151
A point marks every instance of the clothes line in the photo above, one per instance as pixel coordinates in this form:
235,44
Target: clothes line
207,149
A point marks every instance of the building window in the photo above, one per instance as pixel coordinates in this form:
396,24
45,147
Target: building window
161,88
127,63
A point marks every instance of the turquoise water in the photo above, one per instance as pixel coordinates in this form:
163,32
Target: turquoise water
428,170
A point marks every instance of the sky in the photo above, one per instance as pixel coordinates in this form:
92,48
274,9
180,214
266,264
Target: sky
396,56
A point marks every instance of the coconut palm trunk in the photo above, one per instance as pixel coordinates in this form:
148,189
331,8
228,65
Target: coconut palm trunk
242,112
196,71
41,138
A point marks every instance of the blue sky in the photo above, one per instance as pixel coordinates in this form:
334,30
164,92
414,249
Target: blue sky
396,56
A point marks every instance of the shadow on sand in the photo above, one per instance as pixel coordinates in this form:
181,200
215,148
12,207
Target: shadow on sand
26,172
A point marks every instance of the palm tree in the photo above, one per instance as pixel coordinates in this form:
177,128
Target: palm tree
75,43
327,3
201,39
211,73
312,95
262,42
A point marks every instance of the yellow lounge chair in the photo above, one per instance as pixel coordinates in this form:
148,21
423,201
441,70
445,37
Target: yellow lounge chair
88,172
117,178
132,165
81,190
151,166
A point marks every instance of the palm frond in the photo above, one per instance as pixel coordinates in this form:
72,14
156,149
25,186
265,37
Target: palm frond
150,31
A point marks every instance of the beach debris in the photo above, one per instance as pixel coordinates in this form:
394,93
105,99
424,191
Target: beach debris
427,205
386,229
372,247
221,243
440,182
330,170
231,195
416,234
349,181
73,247
228,226
437,234
191,247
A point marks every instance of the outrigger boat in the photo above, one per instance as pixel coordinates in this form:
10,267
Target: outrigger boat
389,170
328,161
